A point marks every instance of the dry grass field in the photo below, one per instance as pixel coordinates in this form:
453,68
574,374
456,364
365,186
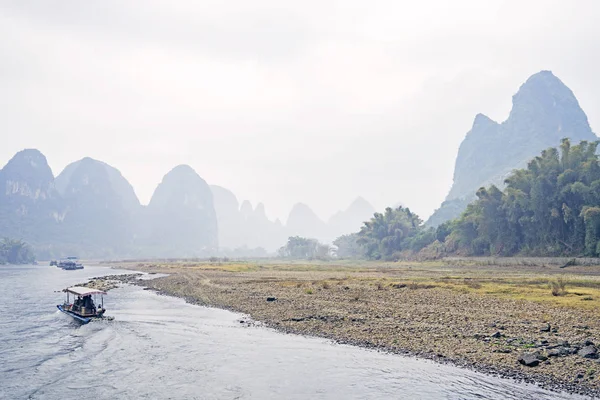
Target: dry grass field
478,313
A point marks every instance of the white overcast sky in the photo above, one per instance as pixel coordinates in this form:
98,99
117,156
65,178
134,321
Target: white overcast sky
280,101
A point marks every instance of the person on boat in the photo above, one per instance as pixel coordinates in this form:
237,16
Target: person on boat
88,303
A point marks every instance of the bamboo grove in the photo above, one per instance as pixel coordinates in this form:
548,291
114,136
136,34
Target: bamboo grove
549,208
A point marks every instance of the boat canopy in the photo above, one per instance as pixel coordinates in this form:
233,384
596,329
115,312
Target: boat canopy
83,291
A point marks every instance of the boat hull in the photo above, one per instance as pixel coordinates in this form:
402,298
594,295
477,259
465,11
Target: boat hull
83,320
70,267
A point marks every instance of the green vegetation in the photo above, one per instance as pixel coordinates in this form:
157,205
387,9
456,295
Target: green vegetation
391,235
15,252
387,235
551,208
302,248
349,247
558,287
513,281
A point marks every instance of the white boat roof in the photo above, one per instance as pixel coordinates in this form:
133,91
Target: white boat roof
83,291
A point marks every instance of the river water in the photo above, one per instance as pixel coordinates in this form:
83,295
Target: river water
159,347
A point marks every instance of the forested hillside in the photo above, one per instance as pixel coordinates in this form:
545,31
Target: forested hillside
544,110
550,208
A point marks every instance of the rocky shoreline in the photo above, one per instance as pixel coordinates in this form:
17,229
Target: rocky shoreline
552,347
109,282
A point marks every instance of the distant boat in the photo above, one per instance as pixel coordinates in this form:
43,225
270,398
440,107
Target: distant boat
83,308
69,263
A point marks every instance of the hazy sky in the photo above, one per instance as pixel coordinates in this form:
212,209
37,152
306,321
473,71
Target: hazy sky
281,102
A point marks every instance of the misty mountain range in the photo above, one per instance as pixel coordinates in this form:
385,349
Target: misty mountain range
91,210
544,110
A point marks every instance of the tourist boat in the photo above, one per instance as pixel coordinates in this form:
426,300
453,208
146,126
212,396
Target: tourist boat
83,308
69,263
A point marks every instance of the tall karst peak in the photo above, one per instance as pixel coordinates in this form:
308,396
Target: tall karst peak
483,122
246,209
90,175
28,174
351,219
184,187
182,213
544,88
546,106
360,204
32,158
227,207
224,199
29,203
99,201
544,110
303,221
183,172
85,175
260,211
301,210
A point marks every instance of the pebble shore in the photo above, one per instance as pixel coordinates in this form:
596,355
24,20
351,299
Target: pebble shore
554,347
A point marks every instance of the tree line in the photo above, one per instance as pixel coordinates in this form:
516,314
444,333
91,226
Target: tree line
14,251
304,248
549,208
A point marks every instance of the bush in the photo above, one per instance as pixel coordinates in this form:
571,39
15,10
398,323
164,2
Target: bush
414,286
480,247
434,251
558,287
472,283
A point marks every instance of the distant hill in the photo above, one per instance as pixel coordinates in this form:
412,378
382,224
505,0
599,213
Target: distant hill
121,188
100,205
181,218
229,218
91,210
351,219
302,221
544,111
30,205
245,227
242,229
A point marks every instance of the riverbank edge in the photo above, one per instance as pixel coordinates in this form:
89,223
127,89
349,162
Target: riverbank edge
542,381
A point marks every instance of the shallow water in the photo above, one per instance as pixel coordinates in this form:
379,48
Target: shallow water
160,347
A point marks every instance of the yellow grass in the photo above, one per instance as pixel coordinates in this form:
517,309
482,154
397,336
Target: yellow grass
526,282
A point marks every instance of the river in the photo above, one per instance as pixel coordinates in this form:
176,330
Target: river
159,347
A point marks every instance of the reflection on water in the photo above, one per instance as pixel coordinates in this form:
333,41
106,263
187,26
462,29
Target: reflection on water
160,347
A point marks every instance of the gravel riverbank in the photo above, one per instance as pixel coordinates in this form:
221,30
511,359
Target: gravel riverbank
553,346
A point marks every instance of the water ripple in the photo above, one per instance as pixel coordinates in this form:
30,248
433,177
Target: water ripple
160,347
